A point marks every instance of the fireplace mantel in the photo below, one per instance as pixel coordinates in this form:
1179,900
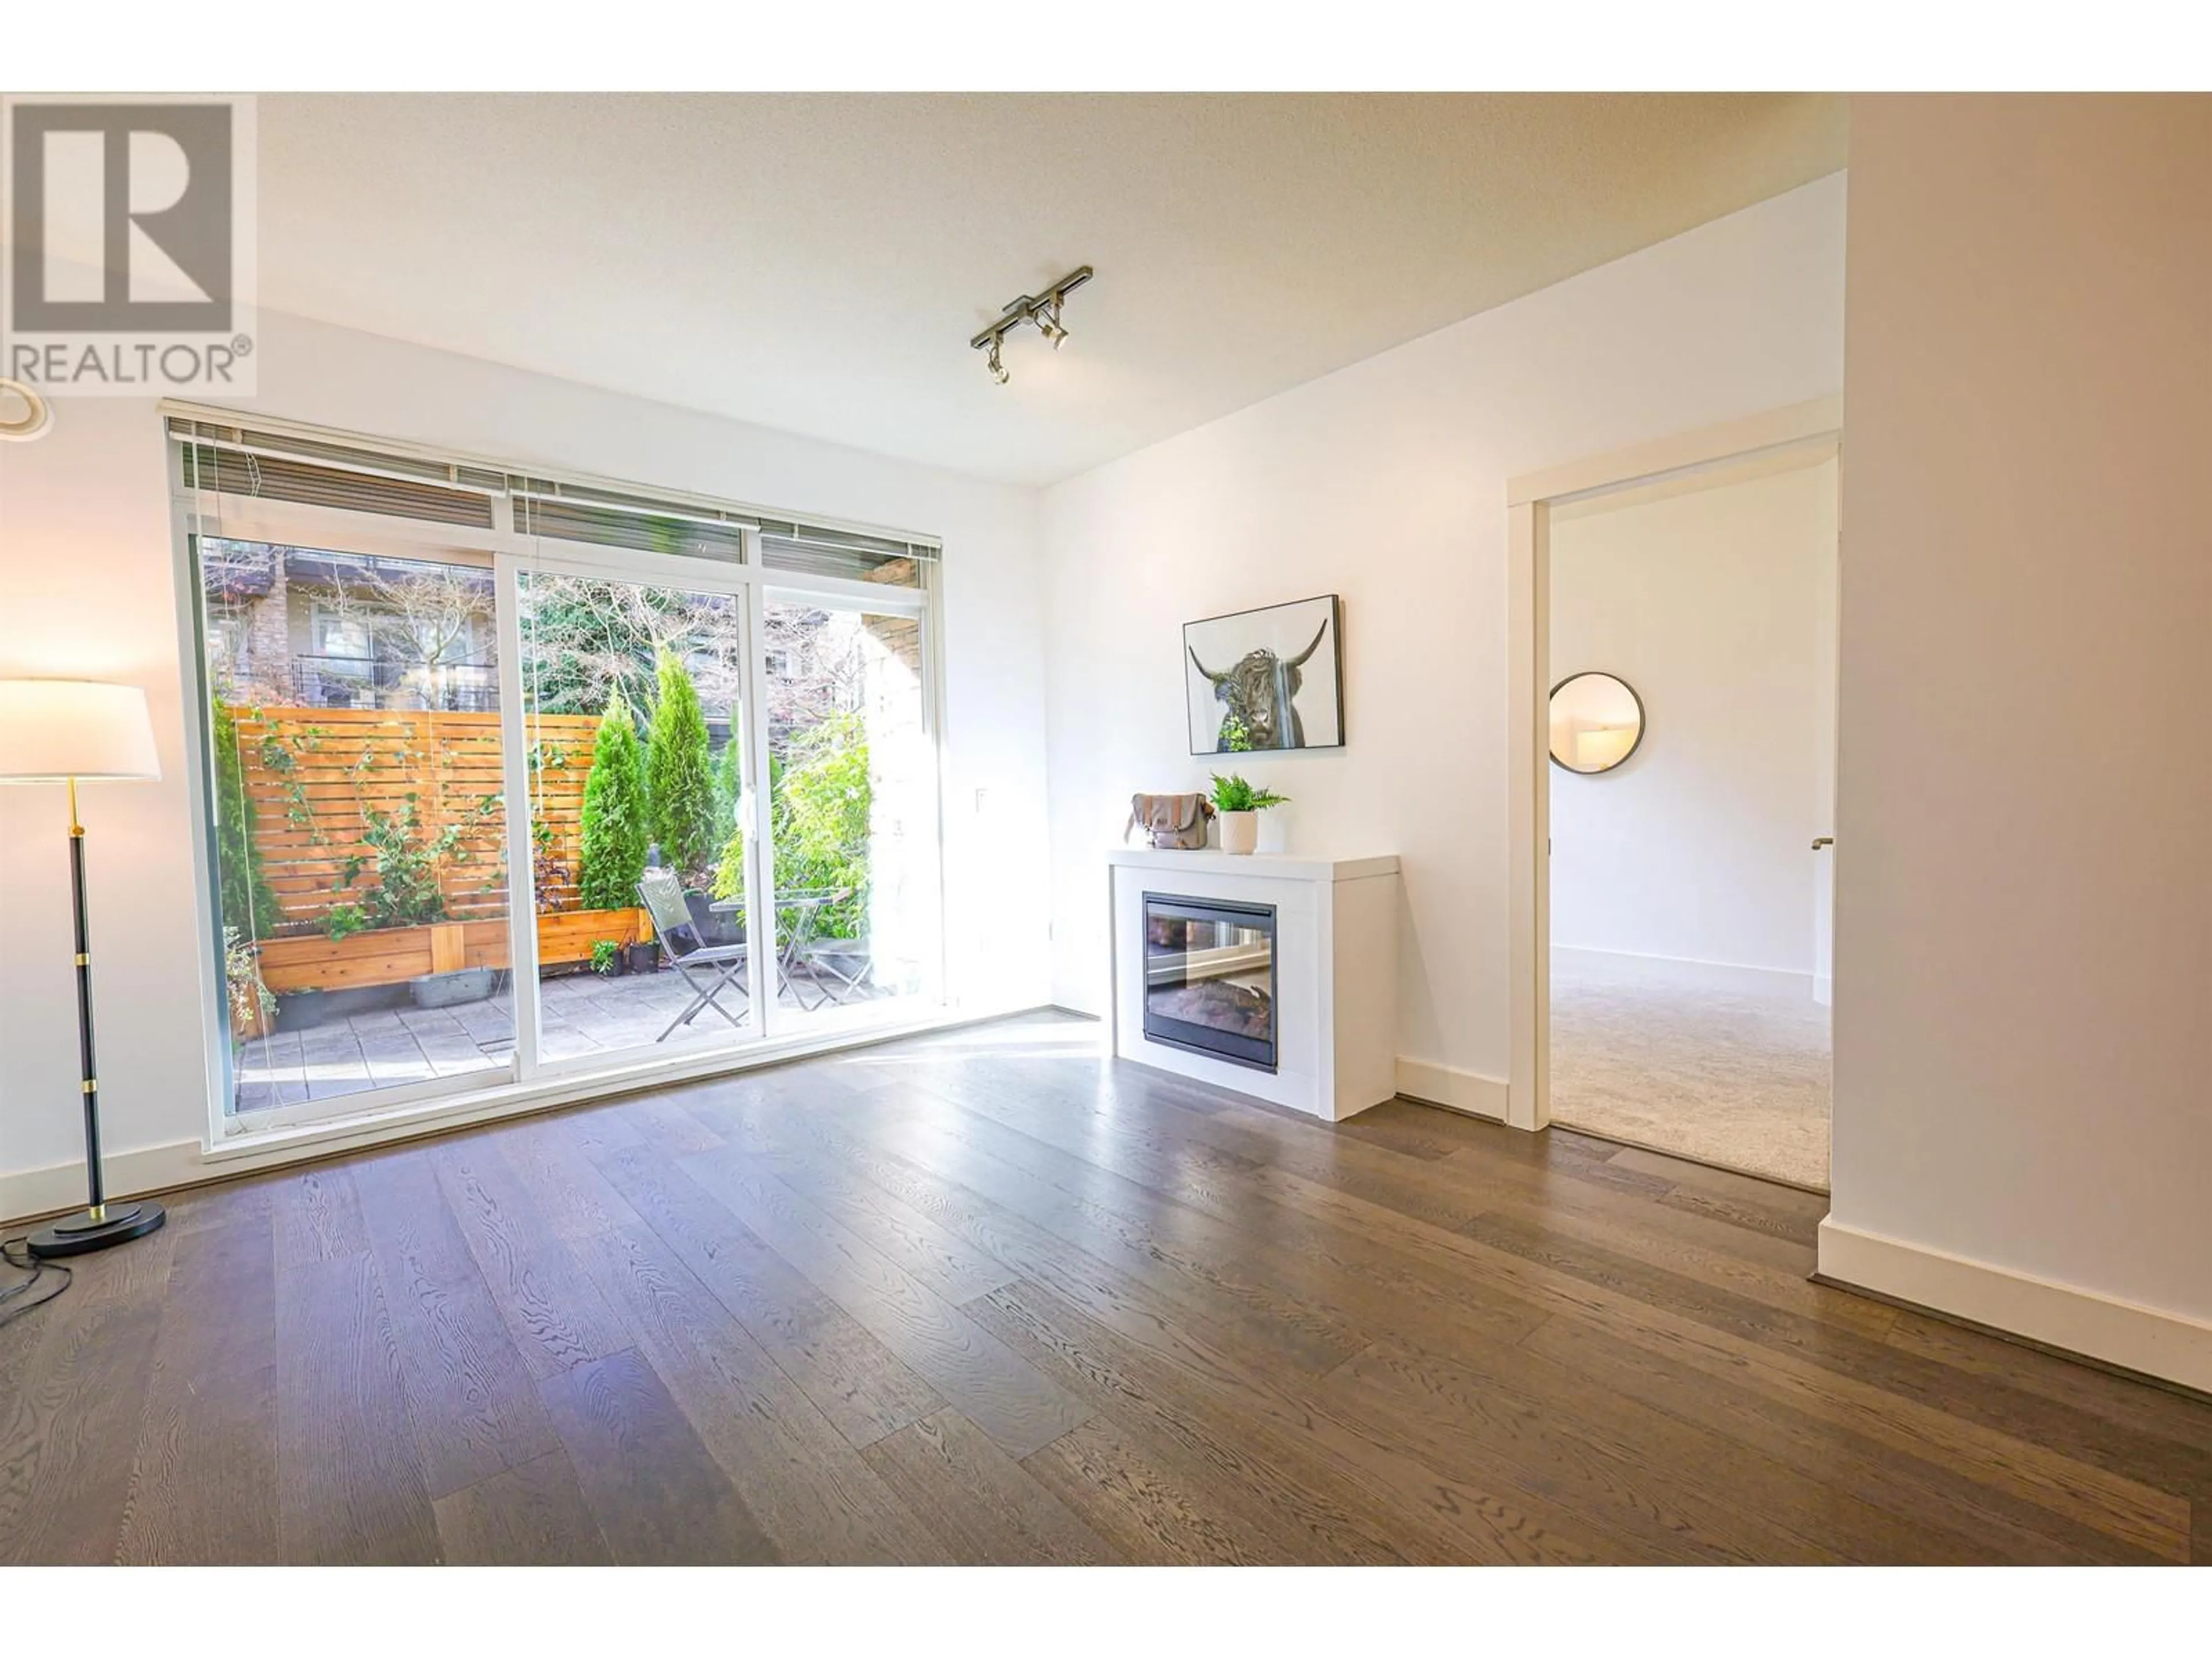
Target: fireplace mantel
1335,971
1282,866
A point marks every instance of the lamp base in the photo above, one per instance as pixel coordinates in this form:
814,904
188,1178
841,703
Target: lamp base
78,1234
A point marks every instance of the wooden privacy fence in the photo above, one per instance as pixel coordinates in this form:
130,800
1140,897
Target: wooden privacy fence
311,774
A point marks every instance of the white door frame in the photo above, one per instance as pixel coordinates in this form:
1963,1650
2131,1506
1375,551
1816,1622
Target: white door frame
1528,502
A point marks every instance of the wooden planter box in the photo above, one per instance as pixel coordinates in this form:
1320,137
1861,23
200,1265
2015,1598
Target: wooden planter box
392,956
568,935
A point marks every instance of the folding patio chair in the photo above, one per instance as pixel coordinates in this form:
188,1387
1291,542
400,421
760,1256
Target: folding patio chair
842,970
661,892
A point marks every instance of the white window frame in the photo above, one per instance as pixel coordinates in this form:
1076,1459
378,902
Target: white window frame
528,1083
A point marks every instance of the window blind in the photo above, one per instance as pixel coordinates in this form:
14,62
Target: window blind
287,466
857,558
642,529
242,463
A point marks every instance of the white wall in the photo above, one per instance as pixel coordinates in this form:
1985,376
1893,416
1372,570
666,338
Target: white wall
85,587
1710,604
1386,482
2023,1105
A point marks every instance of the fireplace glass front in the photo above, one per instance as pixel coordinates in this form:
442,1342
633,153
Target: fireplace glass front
1210,977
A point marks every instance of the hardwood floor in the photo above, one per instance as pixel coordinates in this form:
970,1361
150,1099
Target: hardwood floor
987,1297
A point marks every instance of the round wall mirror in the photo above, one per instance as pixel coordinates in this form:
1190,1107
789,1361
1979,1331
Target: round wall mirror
1597,721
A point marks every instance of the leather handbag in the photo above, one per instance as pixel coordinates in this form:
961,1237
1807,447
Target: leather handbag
1171,823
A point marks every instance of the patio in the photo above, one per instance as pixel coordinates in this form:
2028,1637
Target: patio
581,1014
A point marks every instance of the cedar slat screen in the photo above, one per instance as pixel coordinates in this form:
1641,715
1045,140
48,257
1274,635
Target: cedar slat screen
309,772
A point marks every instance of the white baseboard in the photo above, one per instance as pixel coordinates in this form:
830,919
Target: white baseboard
130,1175
1691,970
1455,1091
2151,1340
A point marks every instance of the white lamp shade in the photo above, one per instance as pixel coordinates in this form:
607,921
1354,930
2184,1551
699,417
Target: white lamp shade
51,731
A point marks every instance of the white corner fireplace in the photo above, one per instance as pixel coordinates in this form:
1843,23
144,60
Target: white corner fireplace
1270,975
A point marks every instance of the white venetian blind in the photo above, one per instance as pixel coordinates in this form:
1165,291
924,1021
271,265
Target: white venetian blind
226,460
608,518
220,459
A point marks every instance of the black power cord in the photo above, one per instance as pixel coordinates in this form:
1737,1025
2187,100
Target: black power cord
16,1253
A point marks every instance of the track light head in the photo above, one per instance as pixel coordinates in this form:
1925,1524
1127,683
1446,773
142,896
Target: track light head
1047,318
997,368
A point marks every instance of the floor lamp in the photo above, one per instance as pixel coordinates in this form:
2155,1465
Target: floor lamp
73,732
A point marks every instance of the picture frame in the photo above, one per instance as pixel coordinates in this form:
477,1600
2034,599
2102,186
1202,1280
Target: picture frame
1277,669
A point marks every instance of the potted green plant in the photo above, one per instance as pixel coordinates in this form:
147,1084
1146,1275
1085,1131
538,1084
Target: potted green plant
606,957
1239,805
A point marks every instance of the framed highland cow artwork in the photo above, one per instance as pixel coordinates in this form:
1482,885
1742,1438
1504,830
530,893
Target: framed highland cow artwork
1272,678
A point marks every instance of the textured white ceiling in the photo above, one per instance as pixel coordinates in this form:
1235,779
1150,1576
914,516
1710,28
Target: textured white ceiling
817,262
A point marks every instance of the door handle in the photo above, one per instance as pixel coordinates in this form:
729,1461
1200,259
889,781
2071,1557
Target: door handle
1823,841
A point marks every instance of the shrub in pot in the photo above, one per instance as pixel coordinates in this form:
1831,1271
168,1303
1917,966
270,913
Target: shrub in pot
1239,805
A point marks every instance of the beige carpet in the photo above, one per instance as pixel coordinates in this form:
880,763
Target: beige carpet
1730,1073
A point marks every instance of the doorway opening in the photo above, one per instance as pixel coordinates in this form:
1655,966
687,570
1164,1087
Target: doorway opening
1673,942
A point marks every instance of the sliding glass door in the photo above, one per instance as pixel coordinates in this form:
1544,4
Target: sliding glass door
634,707
356,747
518,785
852,804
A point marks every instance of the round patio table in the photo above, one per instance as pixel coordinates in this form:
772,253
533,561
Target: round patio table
803,906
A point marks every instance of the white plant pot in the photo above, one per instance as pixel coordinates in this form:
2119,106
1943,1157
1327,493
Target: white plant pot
1240,832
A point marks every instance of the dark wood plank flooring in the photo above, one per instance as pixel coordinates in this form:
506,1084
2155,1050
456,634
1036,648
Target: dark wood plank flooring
986,1298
